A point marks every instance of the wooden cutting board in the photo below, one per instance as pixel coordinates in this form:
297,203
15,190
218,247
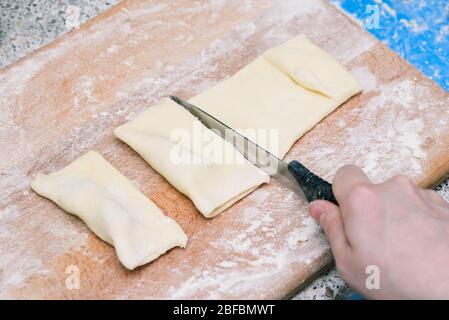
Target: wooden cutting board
66,99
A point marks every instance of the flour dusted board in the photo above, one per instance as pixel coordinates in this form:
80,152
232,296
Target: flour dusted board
68,97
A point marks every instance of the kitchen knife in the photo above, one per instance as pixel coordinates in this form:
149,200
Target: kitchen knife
293,175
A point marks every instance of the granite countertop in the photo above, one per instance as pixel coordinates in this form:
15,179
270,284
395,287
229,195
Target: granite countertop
418,30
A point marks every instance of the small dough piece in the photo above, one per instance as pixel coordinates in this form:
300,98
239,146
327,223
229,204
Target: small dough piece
112,208
213,186
289,88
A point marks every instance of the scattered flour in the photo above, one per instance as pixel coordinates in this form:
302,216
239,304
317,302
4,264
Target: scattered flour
341,123
387,8
112,49
443,34
253,256
366,78
17,263
309,229
246,6
388,133
247,29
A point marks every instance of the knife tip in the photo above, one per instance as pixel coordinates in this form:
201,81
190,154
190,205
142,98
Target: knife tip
176,99
181,102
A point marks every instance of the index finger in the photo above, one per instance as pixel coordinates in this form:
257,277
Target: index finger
346,178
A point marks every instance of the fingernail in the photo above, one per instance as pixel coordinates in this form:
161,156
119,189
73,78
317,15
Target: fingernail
316,210
321,218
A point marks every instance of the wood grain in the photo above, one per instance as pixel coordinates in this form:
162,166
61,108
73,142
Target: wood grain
67,97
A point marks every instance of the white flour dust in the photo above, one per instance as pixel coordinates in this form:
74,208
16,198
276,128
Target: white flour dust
252,256
389,132
365,77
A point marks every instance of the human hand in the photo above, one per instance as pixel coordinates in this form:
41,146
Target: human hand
399,228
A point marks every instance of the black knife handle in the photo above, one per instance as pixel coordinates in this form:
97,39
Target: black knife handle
313,186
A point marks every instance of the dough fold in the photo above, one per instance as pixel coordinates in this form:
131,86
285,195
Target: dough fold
196,161
112,208
288,89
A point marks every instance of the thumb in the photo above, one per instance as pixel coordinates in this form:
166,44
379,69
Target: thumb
331,220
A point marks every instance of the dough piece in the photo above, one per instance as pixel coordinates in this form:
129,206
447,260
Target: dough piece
212,185
289,88
112,208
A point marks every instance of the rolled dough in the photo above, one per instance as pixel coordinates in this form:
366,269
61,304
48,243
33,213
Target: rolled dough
112,208
212,186
288,89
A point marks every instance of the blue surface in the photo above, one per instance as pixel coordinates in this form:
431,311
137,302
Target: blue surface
418,30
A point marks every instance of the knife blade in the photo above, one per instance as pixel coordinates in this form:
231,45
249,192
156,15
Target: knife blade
292,175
